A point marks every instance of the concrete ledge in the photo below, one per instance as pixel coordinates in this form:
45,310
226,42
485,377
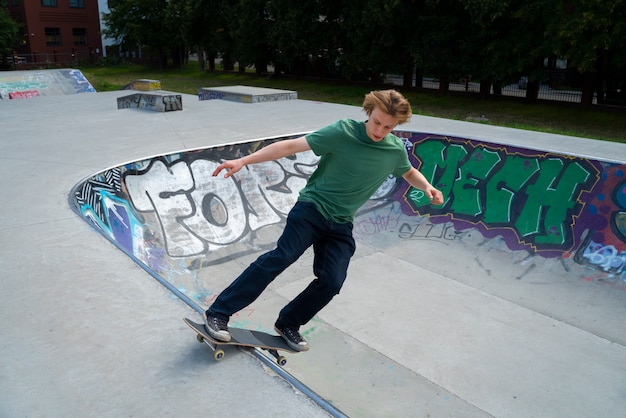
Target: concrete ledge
246,94
143,84
158,102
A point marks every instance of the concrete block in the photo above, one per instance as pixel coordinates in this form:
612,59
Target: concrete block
158,102
143,84
246,94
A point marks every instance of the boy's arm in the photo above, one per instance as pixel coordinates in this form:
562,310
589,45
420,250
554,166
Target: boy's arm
417,180
272,152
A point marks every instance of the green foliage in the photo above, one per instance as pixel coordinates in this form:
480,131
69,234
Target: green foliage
364,39
145,25
8,31
591,30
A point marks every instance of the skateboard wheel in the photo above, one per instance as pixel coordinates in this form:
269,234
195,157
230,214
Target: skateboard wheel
200,338
218,355
282,360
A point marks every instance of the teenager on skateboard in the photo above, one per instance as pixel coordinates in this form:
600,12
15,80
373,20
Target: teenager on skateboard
355,159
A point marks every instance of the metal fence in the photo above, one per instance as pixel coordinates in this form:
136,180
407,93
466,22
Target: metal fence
547,91
52,59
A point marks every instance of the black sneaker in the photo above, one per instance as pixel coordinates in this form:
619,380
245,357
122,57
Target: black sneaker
217,327
293,337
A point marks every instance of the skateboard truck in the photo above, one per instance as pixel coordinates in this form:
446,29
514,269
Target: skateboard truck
219,354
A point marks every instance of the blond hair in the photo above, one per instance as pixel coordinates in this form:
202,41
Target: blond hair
389,101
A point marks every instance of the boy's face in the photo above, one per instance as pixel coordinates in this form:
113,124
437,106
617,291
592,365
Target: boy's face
379,124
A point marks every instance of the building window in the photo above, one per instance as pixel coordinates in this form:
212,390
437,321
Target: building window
53,36
80,36
77,3
49,3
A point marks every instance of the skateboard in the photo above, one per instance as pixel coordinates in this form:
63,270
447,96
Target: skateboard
243,338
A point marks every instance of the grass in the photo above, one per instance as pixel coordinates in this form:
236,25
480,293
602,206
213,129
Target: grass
544,117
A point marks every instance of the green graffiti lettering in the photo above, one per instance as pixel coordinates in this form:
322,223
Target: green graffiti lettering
439,166
548,201
504,185
472,175
536,196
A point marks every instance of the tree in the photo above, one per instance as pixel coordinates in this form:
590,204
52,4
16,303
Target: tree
251,32
494,41
443,25
507,39
375,38
591,34
8,31
202,29
143,25
489,42
304,36
175,22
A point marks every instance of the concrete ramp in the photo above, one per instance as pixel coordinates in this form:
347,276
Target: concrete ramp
35,83
507,300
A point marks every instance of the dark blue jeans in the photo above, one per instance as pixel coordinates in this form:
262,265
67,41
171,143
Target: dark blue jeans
333,246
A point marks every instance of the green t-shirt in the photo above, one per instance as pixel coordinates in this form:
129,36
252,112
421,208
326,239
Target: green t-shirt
351,168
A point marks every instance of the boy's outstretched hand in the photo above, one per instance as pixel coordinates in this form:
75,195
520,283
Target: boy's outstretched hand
435,196
232,166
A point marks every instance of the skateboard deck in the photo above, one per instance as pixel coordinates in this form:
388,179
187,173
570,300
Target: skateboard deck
243,338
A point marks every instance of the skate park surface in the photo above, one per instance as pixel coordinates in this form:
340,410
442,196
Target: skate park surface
436,318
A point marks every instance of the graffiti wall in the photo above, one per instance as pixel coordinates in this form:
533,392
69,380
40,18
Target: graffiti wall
26,84
170,214
548,204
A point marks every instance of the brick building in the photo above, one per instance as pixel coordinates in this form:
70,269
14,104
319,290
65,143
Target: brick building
56,32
